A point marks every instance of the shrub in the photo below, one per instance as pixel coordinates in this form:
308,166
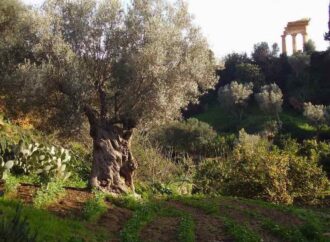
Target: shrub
270,99
314,113
153,165
307,180
261,171
211,175
192,136
48,162
234,97
317,152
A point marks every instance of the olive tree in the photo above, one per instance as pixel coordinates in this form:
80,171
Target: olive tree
315,114
121,67
270,99
16,38
235,96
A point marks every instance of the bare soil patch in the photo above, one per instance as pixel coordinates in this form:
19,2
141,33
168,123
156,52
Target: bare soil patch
26,192
114,220
71,204
162,229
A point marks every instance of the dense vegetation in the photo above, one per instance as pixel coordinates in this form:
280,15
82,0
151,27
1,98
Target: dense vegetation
93,146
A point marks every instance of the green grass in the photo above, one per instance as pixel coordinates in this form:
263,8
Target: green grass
94,207
48,194
254,121
241,233
51,228
187,229
312,228
147,211
210,206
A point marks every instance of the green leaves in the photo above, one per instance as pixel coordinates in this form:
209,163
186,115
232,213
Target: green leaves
48,162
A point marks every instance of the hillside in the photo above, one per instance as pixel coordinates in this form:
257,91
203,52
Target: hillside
253,121
165,219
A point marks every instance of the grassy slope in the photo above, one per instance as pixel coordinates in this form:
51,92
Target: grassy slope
52,228
254,120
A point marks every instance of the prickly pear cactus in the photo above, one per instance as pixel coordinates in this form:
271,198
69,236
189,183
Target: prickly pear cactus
6,163
5,167
39,159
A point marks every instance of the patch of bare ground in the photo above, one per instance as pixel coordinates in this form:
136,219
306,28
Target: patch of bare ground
114,220
208,228
162,229
71,205
26,192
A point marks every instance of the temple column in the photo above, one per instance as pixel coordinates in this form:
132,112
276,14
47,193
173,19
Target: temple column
283,44
294,43
305,37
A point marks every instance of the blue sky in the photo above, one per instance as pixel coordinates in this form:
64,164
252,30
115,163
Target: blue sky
236,25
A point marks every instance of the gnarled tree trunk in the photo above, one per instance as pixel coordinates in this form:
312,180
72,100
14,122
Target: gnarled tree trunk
113,163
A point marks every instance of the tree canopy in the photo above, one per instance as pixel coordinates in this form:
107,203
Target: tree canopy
142,63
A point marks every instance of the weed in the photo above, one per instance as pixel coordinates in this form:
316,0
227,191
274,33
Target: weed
48,194
94,207
240,232
187,229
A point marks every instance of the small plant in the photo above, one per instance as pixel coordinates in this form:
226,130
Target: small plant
187,229
94,207
16,229
144,214
48,194
240,232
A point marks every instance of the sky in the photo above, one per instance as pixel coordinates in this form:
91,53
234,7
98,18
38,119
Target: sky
236,25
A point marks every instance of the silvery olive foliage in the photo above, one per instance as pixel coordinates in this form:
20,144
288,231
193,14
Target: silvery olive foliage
248,142
316,114
270,99
144,61
235,96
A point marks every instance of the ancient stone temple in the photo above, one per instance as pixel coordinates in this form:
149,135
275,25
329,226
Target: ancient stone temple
294,28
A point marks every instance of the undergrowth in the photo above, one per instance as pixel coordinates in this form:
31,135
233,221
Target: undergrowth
49,194
147,211
94,207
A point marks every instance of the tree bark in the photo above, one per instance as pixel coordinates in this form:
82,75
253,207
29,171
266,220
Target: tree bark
113,163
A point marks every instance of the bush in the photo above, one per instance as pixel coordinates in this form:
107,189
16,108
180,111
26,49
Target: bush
259,170
153,165
211,176
234,97
270,99
192,136
317,152
315,113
